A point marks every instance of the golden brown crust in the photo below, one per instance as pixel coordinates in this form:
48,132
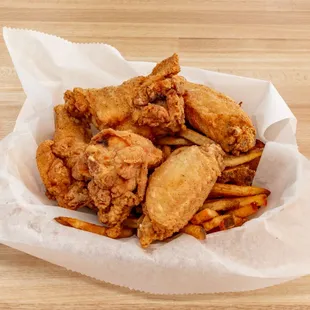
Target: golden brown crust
118,163
150,106
219,118
178,188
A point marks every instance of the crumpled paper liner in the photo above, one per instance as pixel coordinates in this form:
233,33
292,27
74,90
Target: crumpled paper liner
271,248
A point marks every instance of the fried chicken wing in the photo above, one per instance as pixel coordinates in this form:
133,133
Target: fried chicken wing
118,162
219,117
56,159
177,189
148,105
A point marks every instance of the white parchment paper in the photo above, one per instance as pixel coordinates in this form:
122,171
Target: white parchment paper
272,248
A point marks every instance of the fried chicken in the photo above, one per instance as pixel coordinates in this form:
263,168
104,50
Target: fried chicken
148,105
240,175
57,158
177,189
118,163
219,117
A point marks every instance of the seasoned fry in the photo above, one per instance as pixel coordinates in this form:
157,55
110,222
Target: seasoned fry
215,222
229,190
227,223
232,161
239,175
173,141
203,216
93,228
195,230
166,149
195,137
234,203
245,211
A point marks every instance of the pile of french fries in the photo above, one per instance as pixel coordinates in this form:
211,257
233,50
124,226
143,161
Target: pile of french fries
231,202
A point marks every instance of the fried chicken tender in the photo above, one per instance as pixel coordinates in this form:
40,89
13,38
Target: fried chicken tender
118,162
177,189
219,118
57,158
148,105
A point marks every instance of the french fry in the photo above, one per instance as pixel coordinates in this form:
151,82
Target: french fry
239,175
229,190
245,211
203,216
221,204
195,230
166,149
227,204
195,137
92,228
215,222
239,221
173,141
227,223
232,161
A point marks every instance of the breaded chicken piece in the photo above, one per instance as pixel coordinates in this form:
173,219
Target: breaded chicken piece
118,163
219,118
56,176
177,189
148,105
240,175
57,159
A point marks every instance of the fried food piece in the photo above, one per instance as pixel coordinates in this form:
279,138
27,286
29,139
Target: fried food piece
118,163
195,137
203,216
215,222
125,232
229,190
245,211
195,230
219,117
233,203
221,204
177,189
57,159
227,223
233,161
149,105
240,175
56,176
173,141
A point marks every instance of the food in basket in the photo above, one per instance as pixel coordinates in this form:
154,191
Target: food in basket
170,157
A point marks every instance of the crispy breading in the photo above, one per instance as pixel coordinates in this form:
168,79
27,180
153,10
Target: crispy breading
219,117
149,105
118,163
177,189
